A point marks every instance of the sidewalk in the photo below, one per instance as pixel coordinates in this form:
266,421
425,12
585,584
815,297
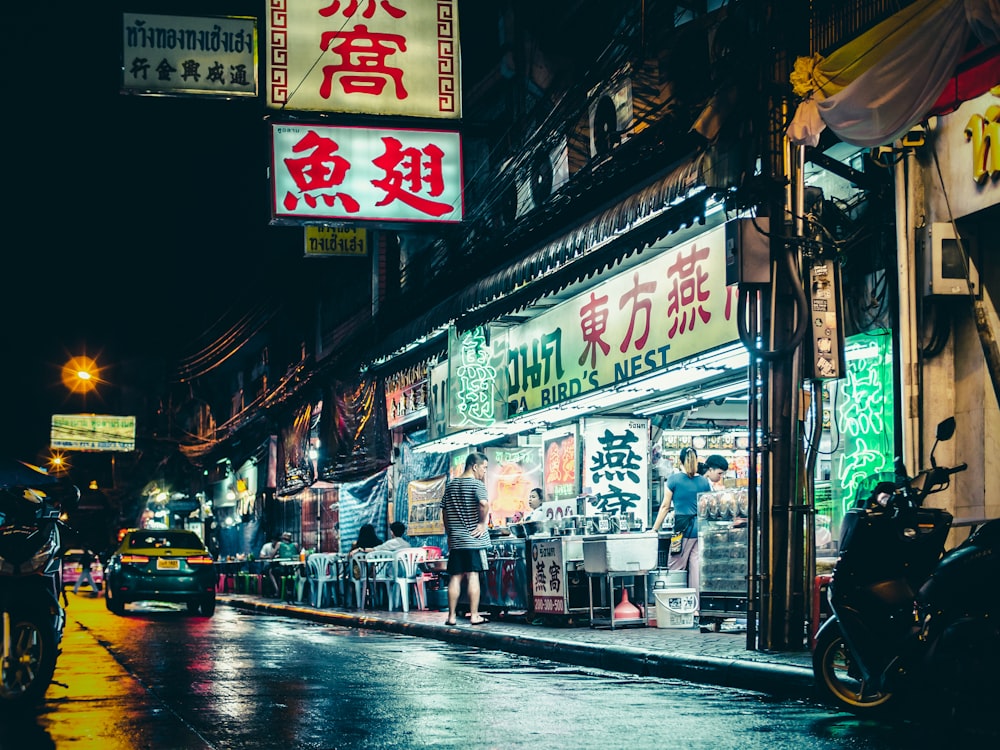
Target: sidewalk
682,653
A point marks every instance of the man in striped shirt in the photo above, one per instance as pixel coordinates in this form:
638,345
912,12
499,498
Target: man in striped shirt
465,508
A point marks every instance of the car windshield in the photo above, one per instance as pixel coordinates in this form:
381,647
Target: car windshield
163,539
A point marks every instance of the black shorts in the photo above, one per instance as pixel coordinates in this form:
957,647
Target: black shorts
466,560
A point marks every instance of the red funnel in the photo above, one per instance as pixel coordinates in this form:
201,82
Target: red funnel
626,610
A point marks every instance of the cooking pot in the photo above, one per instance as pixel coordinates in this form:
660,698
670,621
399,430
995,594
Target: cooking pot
517,529
536,527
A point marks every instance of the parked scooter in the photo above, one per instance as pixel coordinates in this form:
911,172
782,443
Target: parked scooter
31,549
914,631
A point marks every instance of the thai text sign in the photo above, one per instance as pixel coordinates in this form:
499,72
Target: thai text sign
380,57
323,172
335,241
93,432
616,465
638,322
189,55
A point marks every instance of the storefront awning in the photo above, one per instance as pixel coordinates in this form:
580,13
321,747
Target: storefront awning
673,202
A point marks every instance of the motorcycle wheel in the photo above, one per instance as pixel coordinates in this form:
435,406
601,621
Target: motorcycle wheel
839,679
33,652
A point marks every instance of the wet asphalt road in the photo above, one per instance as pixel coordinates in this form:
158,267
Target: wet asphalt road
164,680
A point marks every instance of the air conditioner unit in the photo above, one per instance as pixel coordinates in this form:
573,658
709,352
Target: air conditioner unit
534,183
610,116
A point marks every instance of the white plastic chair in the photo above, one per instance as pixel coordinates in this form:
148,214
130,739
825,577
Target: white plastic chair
322,573
404,573
380,572
357,574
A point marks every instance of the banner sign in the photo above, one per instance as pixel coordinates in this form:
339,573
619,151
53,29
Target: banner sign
324,172
616,465
93,432
325,242
638,322
390,57
164,55
424,498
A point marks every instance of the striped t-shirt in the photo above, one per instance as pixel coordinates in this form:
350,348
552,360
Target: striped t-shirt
460,510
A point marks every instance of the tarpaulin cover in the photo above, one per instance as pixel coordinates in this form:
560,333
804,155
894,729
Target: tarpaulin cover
364,502
355,433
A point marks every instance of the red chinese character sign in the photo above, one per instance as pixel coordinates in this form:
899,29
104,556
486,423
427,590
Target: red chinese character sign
321,172
381,57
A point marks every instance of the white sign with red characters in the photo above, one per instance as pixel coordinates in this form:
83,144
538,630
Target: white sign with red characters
379,57
320,172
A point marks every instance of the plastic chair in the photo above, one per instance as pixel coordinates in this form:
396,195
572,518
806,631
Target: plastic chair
381,572
357,574
321,571
404,573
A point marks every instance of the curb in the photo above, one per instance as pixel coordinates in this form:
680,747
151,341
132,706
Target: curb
775,679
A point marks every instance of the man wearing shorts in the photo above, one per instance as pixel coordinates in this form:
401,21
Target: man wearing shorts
464,508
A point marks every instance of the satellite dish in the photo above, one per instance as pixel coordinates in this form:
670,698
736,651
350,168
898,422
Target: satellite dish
541,179
605,126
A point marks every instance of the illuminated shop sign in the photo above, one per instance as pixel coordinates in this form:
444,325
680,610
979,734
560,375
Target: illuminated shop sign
636,323
189,55
379,57
616,465
93,432
323,242
476,396
321,172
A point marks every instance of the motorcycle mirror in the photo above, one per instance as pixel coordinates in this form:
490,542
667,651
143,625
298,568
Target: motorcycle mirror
945,430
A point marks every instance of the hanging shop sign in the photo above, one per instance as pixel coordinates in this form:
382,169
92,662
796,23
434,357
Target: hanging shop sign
323,172
326,242
406,395
92,432
967,147
477,396
634,324
437,402
616,465
559,459
510,476
424,502
188,55
378,58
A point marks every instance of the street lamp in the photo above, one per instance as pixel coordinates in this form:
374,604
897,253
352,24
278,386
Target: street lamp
81,375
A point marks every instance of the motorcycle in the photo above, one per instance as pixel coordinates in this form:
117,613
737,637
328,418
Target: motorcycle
915,630
31,549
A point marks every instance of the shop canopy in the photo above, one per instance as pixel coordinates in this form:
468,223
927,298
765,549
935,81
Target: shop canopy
874,89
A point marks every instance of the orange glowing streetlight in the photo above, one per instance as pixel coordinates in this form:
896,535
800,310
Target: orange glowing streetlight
81,374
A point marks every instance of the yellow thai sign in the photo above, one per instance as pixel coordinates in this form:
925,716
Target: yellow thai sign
322,242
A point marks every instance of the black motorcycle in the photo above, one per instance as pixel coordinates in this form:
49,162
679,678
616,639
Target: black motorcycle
31,549
914,629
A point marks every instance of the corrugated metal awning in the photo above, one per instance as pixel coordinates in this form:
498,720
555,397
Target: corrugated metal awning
672,202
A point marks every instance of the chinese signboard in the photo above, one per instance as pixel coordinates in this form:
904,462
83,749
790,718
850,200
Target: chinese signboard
641,321
546,575
189,55
616,465
322,172
93,432
406,395
476,397
335,241
379,57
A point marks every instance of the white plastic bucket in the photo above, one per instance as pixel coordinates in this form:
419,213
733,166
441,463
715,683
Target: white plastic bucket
675,608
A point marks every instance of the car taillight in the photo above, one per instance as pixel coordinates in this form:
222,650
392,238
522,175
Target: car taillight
201,560
135,559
